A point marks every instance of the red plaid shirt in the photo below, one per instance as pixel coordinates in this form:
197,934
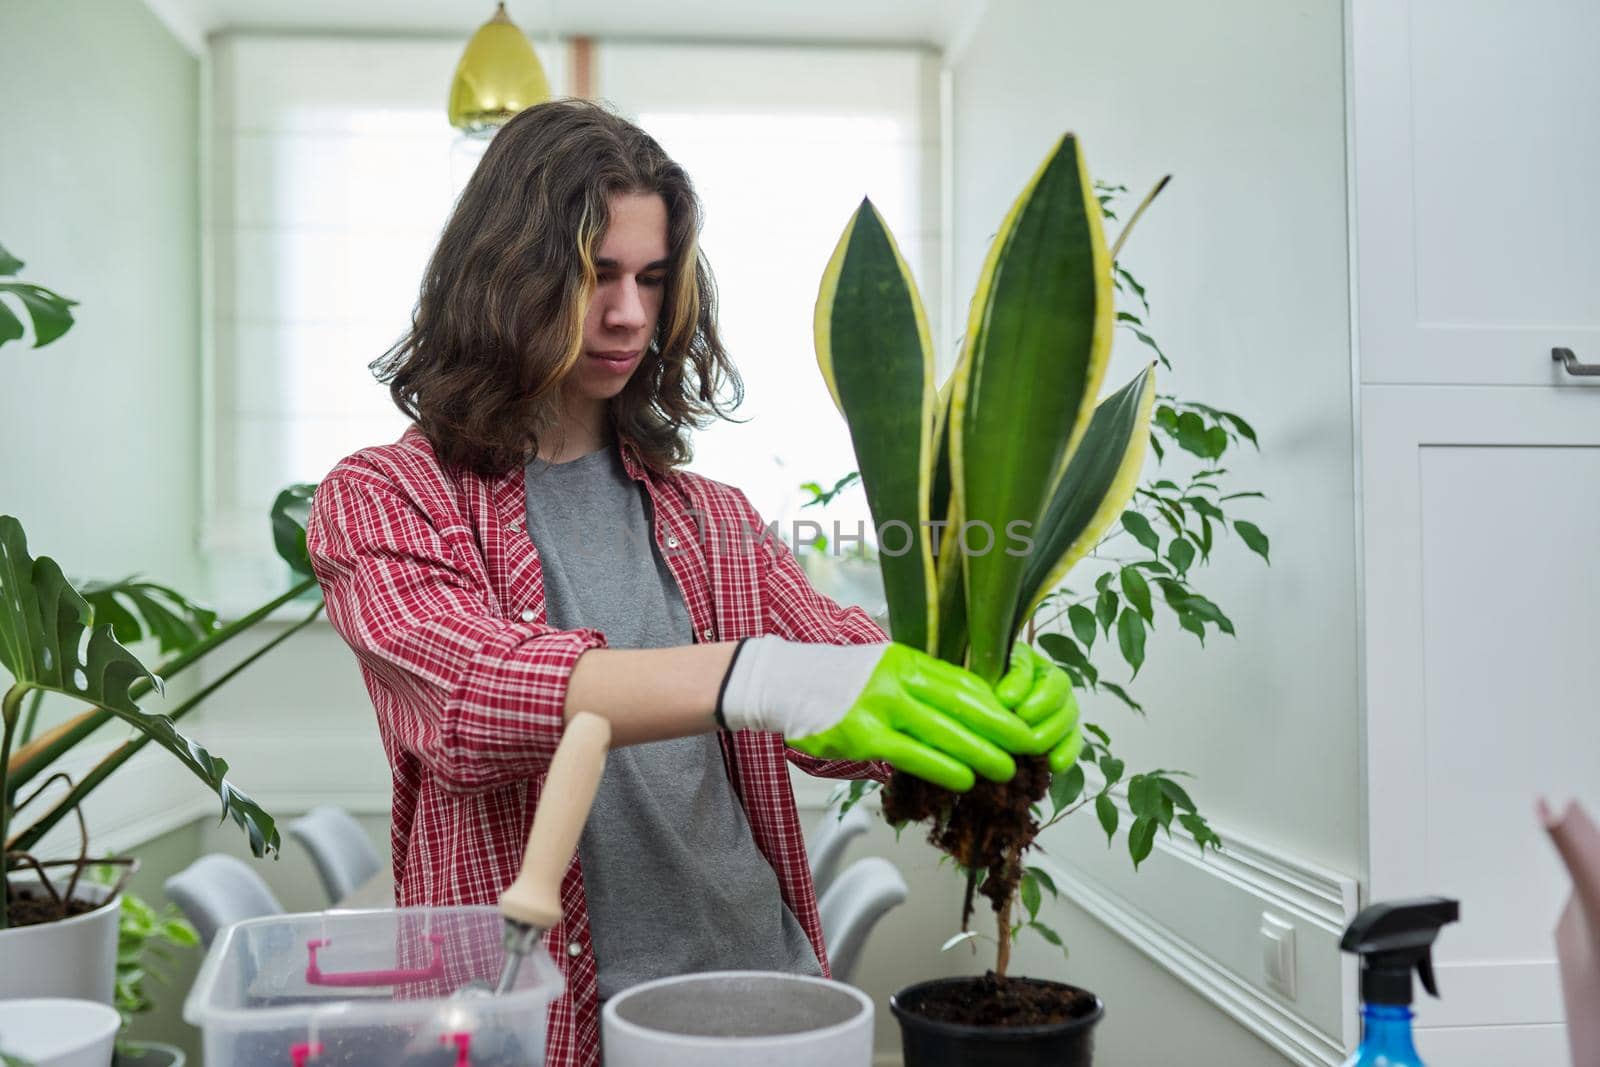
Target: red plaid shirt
432,580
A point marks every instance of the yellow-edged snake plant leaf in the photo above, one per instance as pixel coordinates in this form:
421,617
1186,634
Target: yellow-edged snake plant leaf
1099,482
1038,336
42,624
876,354
952,631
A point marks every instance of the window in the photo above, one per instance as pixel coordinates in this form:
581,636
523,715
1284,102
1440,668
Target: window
332,171
782,143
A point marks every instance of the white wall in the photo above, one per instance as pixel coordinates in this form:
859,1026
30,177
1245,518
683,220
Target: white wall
1244,257
98,195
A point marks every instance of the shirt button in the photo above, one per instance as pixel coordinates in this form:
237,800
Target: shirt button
705,635
574,950
672,542
528,615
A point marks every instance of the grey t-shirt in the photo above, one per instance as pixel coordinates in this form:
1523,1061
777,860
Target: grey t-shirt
674,881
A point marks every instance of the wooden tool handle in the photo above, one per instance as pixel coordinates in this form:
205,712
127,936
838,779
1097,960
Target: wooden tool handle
534,899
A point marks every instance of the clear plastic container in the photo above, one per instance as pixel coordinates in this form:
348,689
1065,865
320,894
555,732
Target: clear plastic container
369,988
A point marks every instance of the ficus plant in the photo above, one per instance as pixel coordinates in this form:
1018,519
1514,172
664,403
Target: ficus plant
69,640
1016,445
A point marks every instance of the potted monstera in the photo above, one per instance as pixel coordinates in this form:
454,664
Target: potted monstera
58,927
985,493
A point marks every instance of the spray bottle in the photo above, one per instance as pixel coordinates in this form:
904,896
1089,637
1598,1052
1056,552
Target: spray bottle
1394,939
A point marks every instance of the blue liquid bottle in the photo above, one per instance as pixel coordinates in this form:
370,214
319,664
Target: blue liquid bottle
1393,940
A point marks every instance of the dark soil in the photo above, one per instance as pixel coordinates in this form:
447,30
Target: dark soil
983,828
29,909
995,1001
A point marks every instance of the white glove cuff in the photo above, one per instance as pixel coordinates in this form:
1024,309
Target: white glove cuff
795,688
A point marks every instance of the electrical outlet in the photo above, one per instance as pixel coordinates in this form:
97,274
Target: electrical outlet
1277,953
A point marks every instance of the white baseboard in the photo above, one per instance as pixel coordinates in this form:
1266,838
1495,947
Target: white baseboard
1199,919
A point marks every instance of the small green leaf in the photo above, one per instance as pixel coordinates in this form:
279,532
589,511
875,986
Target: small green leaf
1181,553
1130,638
1082,622
1137,591
1144,796
1107,811
9,264
1188,620
1104,737
1122,695
1141,840
1045,880
1135,286
1111,767
1243,428
1190,431
1139,526
1176,793
1066,652
1030,895
1253,538
1201,831
1208,611
1065,787
1046,933
1242,496
1205,507
1105,609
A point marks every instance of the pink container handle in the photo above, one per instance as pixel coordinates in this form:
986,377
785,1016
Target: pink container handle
463,1043
316,976
299,1054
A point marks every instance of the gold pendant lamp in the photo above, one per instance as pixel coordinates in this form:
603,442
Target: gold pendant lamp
498,76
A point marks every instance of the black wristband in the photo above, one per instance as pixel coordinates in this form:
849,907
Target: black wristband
722,722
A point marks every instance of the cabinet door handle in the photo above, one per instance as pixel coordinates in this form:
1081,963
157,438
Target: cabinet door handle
1565,357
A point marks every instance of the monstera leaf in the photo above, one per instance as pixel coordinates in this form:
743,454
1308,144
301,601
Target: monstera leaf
137,609
289,512
47,641
49,311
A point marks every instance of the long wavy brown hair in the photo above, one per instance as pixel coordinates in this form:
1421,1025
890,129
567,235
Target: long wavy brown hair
499,323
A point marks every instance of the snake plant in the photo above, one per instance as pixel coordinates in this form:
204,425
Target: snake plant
986,491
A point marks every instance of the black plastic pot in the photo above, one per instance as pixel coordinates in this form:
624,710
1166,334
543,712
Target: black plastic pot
928,1042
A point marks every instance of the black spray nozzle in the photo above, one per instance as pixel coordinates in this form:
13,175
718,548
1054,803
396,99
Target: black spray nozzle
1395,938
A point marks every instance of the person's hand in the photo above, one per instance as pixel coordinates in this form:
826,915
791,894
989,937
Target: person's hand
886,702
1041,695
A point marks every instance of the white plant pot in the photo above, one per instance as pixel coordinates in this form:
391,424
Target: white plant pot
75,957
738,1018
55,1032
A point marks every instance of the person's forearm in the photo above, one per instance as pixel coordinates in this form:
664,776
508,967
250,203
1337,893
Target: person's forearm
650,694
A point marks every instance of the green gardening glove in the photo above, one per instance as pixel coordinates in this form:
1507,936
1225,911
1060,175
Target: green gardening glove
883,701
1041,695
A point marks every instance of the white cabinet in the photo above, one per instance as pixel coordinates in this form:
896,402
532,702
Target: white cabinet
1477,166
1476,156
